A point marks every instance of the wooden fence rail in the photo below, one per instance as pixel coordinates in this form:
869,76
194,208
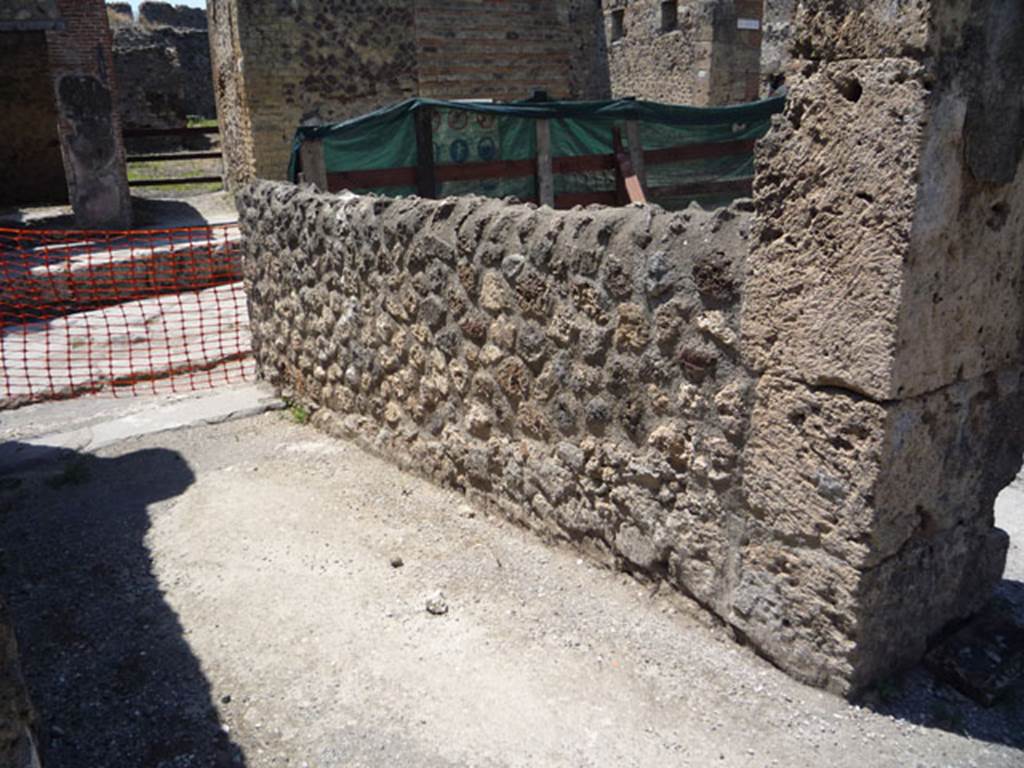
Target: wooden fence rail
631,166
167,157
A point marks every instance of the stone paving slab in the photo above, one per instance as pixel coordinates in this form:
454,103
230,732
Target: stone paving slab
94,427
227,594
137,340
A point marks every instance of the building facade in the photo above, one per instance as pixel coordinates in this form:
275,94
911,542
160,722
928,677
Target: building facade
697,52
277,65
59,93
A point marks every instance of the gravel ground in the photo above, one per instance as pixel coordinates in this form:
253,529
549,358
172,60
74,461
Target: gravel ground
232,595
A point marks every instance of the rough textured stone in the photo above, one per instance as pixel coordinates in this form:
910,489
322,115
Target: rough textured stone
883,310
164,72
18,720
875,292
821,474
159,14
562,400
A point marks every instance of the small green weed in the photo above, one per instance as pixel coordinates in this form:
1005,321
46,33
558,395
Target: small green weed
298,412
75,472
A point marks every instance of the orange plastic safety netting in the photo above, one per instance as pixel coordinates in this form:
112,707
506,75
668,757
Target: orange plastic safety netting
120,312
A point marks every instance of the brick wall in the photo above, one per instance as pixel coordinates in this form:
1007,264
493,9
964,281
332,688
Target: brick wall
29,146
500,49
279,65
709,56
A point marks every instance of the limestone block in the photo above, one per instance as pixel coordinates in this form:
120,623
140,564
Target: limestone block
859,479
889,228
799,605
929,584
862,29
871,523
822,298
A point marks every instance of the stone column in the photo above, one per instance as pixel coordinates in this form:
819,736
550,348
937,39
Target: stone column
884,315
87,119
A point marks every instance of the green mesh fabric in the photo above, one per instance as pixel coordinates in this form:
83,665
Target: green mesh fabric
701,155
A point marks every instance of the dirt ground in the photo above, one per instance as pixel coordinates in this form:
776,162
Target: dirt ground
253,593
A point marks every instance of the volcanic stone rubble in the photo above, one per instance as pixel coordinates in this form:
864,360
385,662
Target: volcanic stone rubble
560,366
580,371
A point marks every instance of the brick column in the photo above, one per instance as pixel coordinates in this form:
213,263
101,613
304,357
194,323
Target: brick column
884,314
735,71
88,122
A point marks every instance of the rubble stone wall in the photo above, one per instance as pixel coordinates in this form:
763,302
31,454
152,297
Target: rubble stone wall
804,428
22,15
164,70
321,61
329,60
577,370
158,14
151,82
710,56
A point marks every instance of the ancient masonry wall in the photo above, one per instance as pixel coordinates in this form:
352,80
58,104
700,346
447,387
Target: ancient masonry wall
160,14
701,53
232,106
29,145
163,68
152,83
82,70
577,370
883,313
805,429
503,50
329,60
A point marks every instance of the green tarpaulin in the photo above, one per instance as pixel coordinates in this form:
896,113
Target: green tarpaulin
491,149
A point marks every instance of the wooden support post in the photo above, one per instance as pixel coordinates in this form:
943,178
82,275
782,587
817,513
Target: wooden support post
636,151
545,173
426,181
627,185
314,168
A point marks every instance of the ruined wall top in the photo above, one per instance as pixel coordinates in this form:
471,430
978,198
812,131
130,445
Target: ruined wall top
28,11
158,14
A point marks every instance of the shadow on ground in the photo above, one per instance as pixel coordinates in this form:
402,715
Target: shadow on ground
165,212
105,657
921,698
193,210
